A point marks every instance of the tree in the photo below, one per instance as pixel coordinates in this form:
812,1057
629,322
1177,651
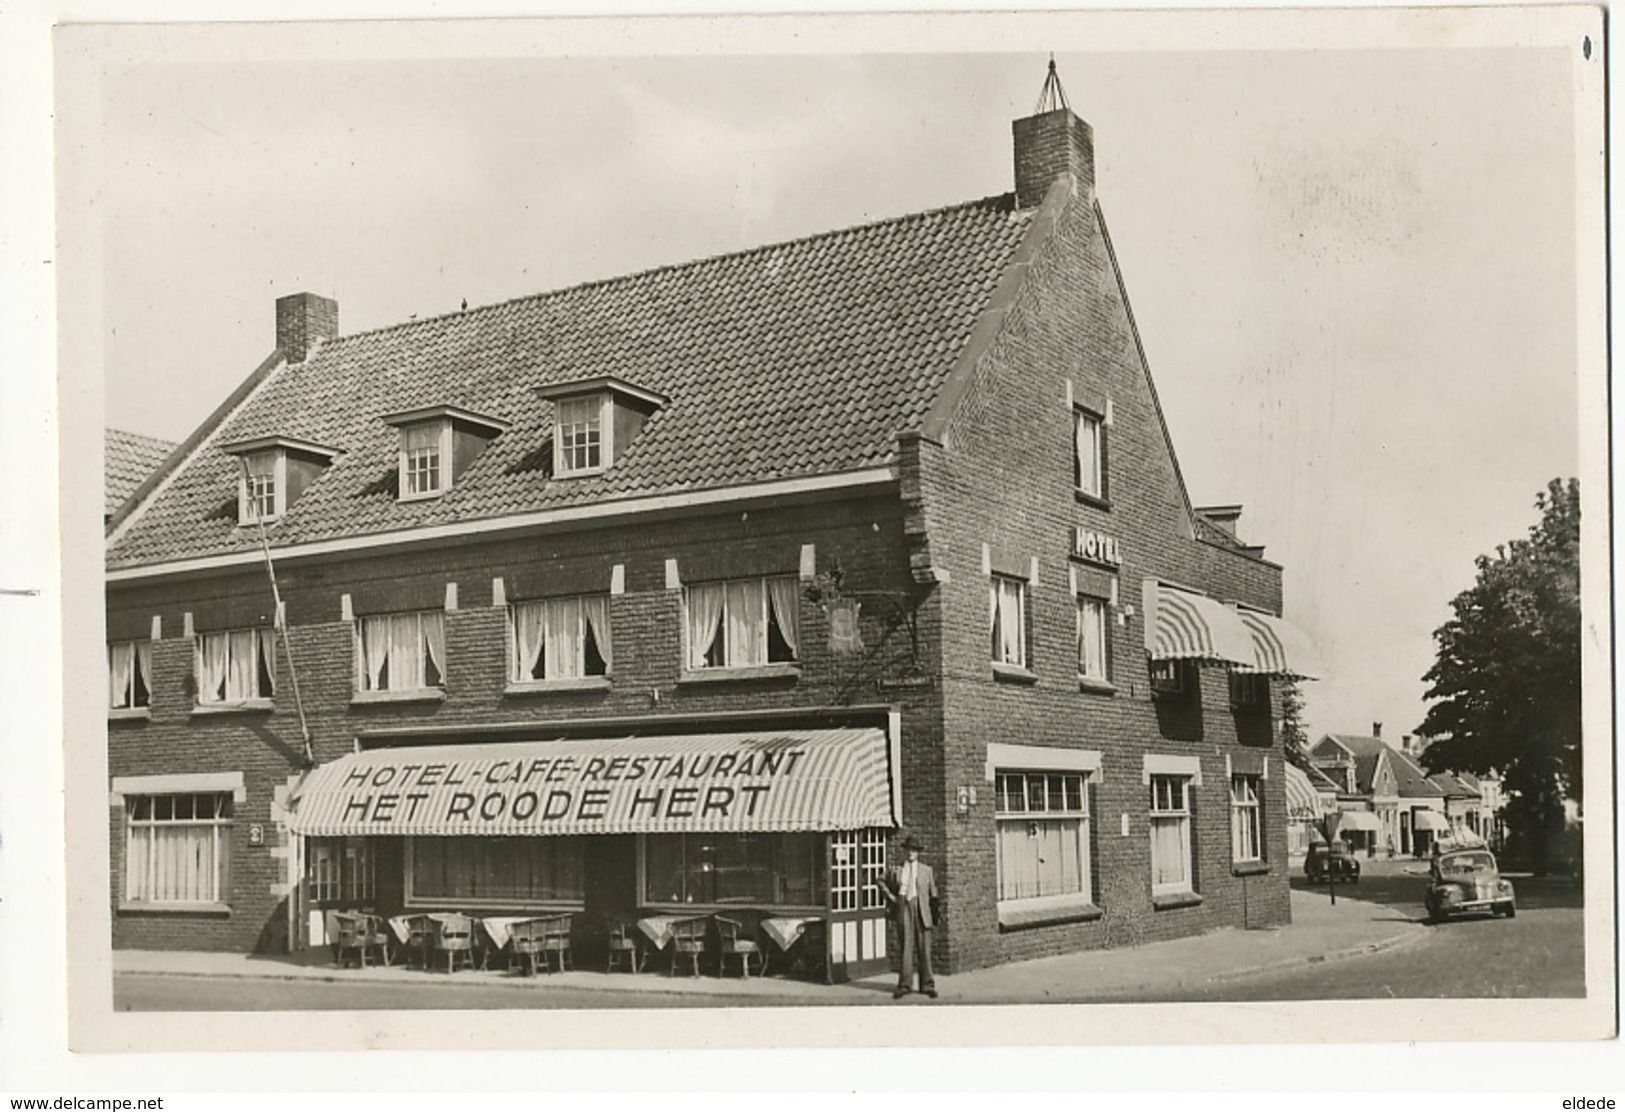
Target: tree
1507,676
1294,738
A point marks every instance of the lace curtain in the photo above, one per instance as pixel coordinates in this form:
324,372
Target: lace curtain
704,620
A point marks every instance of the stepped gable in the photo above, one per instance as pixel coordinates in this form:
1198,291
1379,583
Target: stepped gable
800,359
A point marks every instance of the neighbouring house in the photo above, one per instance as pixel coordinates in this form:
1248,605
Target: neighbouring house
129,459
688,592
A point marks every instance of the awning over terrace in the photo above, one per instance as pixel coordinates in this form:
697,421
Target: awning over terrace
838,779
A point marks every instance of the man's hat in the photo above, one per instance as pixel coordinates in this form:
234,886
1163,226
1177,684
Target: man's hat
912,842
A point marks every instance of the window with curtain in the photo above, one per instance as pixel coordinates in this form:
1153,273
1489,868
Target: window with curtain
235,666
559,639
1246,818
1093,659
742,623
1007,603
1089,452
423,466
176,847
579,439
261,488
401,652
775,868
497,870
340,870
1042,832
1171,835
129,670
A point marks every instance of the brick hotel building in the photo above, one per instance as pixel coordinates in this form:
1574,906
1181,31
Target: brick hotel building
694,590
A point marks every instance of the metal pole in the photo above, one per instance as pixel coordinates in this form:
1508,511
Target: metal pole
281,623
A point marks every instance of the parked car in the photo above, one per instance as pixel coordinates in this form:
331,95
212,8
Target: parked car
1335,861
1467,880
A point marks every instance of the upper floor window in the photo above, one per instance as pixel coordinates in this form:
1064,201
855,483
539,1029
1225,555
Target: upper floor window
1249,691
581,441
424,449
1094,643
1007,606
235,666
1173,679
560,639
743,623
1089,452
263,486
272,473
129,669
401,652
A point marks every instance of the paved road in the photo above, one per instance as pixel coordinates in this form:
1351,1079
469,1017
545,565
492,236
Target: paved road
1538,954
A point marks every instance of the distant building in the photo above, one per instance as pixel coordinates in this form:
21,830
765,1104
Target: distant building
128,460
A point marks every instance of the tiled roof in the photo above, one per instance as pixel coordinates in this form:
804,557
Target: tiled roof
128,458
805,358
1412,781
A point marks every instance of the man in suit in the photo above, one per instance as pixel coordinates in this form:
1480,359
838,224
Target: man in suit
911,893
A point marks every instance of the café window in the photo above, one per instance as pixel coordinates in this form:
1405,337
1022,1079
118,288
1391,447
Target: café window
401,652
559,639
1094,642
743,623
779,868
1007,605
129,670
235,666
340,870
1171,870
176,847
1042,821
857,863
496,870
1246,818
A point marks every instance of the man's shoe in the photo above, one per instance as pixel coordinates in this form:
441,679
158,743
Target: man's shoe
898,993
931,992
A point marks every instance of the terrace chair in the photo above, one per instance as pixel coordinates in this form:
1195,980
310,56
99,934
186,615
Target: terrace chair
688,940
528,940
731,945
361,934
419,939
454,937
556,941
624,946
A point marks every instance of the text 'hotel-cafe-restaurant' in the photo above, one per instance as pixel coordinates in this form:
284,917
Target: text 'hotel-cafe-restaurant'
689,593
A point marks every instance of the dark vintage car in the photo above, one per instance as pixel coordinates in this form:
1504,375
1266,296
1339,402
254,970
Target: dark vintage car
1467,880
1335,862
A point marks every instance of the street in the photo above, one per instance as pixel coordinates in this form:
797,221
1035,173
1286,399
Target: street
1537,954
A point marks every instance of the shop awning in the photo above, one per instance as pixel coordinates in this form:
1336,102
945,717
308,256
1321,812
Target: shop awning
1279,648
1428,820
1180,625
1358,820
770,780
1302,802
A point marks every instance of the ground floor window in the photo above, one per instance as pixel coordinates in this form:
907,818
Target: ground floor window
177,847
781,867
1246,818
340,870
1043,834
496,870
1171,835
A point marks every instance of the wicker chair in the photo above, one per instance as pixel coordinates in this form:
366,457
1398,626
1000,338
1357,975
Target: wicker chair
454,937
419,944
731,945
546,938
361,934
624,945
688,940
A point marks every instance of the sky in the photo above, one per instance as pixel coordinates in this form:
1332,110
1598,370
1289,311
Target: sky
1353,270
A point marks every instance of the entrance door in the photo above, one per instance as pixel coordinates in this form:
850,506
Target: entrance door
855,943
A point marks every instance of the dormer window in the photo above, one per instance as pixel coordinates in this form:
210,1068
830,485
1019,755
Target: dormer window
595,421
274,471
437,445
580,443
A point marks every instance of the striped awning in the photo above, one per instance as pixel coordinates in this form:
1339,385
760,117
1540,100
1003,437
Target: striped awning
770,780
1428,820
1181,625
1279,648
1302,801
1358,820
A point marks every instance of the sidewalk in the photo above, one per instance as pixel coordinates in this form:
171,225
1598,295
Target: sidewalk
1319,932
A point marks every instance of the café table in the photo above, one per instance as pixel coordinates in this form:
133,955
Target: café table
789,933
499,928
401,926
658,928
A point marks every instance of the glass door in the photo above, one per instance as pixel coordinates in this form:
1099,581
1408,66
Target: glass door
855,943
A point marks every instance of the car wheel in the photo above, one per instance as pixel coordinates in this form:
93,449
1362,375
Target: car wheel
1511,910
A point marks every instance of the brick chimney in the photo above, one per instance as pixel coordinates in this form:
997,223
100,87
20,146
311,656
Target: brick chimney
302,321
1376,730
1049,145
